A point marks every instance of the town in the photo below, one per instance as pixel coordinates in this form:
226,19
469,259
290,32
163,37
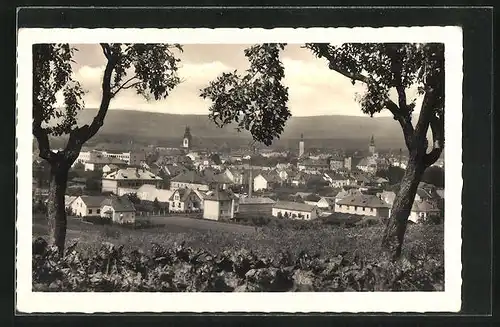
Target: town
124,187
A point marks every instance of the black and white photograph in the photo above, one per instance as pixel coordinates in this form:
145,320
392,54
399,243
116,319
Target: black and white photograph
220,170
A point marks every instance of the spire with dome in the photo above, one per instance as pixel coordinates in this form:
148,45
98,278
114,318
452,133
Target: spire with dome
186,140
371,148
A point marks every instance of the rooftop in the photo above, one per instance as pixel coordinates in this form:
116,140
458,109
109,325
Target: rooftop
219,195
93,200
363,200
132,174
189,176
257,200
119,204
297,206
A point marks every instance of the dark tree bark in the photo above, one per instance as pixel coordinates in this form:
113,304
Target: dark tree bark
396,225
416,140
56,211
60,162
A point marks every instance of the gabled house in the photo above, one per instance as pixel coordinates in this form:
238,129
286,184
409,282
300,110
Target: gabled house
363,204
219,205
185,200
326,203
422,210
337,180
119,209
255,205
388,197
99,162
189,179
266,181
294,210
125,181
68,200
87,205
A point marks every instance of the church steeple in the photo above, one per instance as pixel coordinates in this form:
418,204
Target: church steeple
371,148
301,145
186,140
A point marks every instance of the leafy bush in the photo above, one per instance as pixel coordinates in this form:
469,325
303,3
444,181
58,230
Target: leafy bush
178,268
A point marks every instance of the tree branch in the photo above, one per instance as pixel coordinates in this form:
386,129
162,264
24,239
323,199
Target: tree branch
41,134
85,132
323,52
404,121
42,138
106,49
437,128
124,86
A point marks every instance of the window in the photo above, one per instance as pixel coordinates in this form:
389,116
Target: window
98,210
90,211
178,204
364,209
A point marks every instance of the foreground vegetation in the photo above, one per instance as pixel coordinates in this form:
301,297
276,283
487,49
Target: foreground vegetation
286,258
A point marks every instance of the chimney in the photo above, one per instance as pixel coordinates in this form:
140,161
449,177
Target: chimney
250,183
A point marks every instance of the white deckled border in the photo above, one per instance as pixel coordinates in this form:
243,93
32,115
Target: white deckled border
446,301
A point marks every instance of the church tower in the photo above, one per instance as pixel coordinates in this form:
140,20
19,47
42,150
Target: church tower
186,140
371,148
301,145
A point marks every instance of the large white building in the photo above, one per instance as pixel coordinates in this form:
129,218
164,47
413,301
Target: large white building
363,205
128,180
131,158
294,210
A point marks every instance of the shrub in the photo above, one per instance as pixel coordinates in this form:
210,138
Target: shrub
179,268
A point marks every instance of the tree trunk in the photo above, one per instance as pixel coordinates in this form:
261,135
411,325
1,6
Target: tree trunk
395,230
56,211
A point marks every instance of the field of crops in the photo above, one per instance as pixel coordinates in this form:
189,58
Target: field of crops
316,258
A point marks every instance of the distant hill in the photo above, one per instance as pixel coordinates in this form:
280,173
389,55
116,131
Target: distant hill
146,125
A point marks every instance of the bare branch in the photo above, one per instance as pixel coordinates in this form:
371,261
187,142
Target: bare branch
124,86
86,132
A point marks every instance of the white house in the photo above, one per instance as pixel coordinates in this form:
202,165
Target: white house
326,203
68,200
87,205
99,162
265,181
219,205
294,210
421,210
119,209
337,180
128,180
189,179
363,204
150,193
185,199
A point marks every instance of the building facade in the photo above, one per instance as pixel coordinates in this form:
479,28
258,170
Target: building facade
123,181
294,210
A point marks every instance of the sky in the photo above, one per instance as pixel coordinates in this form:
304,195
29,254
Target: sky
313,88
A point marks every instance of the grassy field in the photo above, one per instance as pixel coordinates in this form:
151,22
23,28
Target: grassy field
217,237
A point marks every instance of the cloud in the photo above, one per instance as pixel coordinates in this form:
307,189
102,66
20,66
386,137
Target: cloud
313,88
